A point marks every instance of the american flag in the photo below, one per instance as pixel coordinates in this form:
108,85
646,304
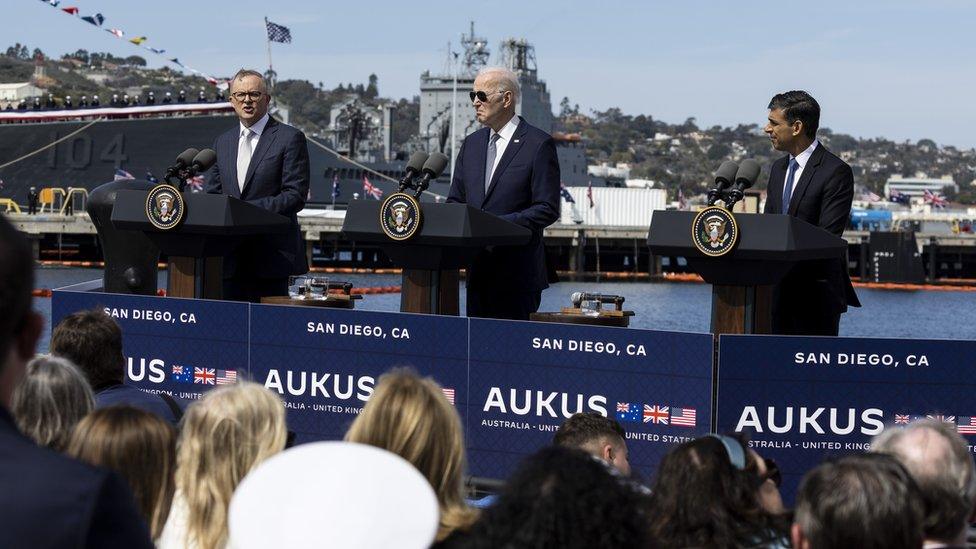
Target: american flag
565,193
122,175
449,393
182,374
869,196
656,414
204,376
195,183
226,377
589,193
335,186
627,412
902,419
936,200
371,190
966,426
683,416
942,418
277,33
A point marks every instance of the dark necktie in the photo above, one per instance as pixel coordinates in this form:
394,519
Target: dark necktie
490,162
788,187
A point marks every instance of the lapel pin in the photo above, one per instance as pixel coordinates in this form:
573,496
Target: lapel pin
516,141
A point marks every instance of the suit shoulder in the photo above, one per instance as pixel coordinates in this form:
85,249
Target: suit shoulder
34,467
481,132
832,160
535,133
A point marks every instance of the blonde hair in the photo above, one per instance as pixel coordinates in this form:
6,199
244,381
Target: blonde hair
410,416
225,434
139,446
52,398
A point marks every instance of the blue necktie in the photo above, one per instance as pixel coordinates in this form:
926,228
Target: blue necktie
788,187
490,161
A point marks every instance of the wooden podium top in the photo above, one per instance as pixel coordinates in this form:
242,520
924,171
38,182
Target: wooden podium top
620,320
338,301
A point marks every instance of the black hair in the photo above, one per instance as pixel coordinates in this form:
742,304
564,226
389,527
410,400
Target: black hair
16,283
798,105
586,427
93,341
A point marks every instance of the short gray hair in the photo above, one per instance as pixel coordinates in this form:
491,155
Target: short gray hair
51,400
244,73
939,461
506,80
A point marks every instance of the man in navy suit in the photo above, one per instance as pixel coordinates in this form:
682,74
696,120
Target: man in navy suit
264,162
510,169
810,183
48,500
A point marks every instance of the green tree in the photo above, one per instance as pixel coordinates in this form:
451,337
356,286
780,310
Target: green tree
372,90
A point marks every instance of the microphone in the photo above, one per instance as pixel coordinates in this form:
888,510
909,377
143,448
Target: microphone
744,178
202,162
183,161
724,176
414,168
580,297
432,170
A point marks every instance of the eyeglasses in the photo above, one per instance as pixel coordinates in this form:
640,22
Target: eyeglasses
482,96
253,96
772,472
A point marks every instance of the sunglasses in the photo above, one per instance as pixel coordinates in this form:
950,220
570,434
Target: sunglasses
772,472
481,96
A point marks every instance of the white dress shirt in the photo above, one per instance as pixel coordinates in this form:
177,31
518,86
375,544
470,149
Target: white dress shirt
254,136
801,161
504,138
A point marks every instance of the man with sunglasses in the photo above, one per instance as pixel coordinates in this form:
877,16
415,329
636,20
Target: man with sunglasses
264,162
510,169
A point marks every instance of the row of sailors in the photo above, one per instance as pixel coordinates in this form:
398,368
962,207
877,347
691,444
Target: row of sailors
117,101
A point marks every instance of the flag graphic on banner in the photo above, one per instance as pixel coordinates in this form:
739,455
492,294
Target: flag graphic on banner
226,377
966,426
565,193
942,418
449,393
683,416
122,175
630,413
371,190
656,414
182,374
277,33
902,419
204,376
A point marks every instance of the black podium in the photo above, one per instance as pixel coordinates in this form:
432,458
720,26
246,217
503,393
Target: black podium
449,238
213,226
769,246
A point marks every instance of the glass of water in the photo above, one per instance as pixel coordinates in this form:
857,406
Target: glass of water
298,287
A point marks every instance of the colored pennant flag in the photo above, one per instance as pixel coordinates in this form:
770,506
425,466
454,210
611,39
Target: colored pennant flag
565,194
155,50
96,19
70,10
54,2
138,40
122,175
278,33
371,190
176,61
117,32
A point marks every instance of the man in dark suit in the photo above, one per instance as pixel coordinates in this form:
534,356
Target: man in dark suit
264,162
509,169
48,500
810,183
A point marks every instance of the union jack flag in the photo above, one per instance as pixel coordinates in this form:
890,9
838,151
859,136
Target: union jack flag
966,426
204,376
371,190
942,418
902,419
195,183
683,416
936,200
226,377
449,393
656,414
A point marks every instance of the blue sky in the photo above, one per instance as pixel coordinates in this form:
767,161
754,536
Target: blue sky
897,69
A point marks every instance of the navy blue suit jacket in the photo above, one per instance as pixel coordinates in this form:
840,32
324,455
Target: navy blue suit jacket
277,180
52,501
524,189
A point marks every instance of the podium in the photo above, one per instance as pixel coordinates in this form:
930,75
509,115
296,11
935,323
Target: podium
769,246
449,238
212,227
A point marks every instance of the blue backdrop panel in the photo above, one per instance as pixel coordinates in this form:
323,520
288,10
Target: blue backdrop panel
803,399
527,377
325,362
181,346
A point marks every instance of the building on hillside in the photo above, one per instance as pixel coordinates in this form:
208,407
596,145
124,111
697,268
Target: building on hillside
13,93
916,186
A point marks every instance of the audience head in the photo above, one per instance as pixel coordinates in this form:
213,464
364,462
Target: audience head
410,416
20,326
596,435
93,341
225,434
563,498
50,401
867,501
708,492
139,446
939,462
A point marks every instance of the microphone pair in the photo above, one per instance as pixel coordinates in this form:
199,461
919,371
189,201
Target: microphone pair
193,161
731,181
427,166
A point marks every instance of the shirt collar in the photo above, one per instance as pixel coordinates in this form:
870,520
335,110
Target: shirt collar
802,158
257,127
508,130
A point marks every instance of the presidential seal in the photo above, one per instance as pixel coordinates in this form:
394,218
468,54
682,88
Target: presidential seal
714,231
400,216
165,207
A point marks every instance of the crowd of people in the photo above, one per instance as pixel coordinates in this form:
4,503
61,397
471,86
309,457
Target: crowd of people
50,102
87,461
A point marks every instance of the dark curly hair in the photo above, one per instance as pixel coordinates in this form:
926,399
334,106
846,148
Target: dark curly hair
699,499
563,498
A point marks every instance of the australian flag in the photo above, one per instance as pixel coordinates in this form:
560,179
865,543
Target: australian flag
629,413
565,193
277,33
899,198
182,374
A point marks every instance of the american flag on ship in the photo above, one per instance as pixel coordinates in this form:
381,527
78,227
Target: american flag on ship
226,377
966,425
684,417
656,414
204,376
371,190
449,393
627,412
